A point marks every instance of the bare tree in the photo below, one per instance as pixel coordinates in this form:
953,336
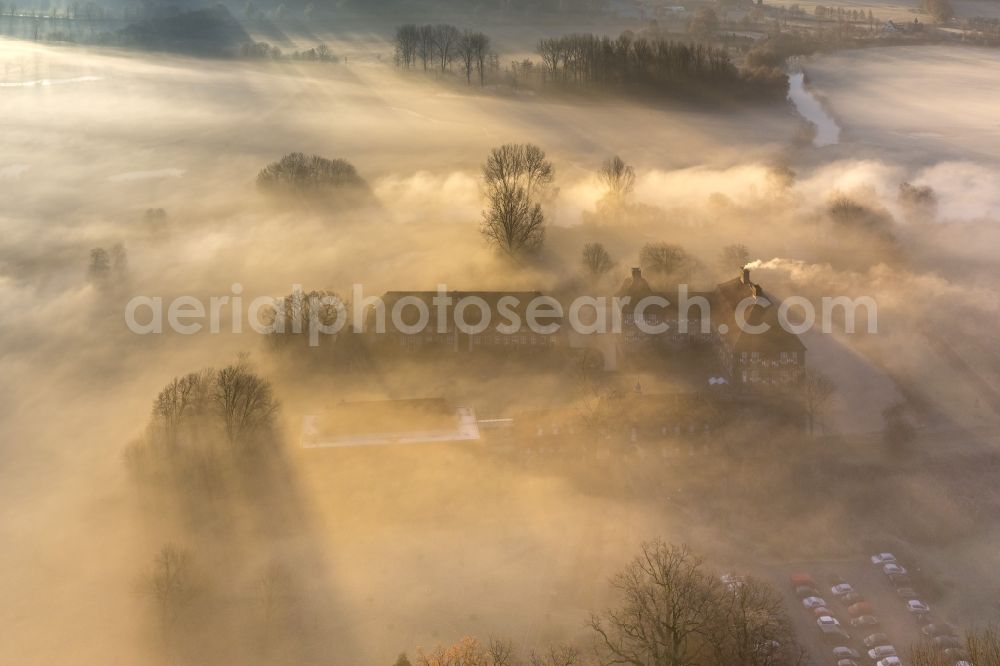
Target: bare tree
276,597
753,628
513,223
425,45
245,402
472,50
99,268
480,50
666,261
596,260
618,177
311,176
446,40
467,54
557,655
814,390
406,42
500,651
734,257
515,175
171,583
119,259
667,606
293,316
184,397
518,165
674,612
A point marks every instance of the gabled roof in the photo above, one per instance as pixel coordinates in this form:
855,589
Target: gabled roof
729,295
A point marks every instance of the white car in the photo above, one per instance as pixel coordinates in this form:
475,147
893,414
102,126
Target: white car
813,602
889,661
844,652
881,652
893,568
828,621
883,558
917,607
841,590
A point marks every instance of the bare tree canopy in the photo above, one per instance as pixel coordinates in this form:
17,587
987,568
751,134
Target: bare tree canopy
171,583
515,176
245,402
675,612
516,165
445,39
513,223
814,390
310,176
667,606
734,257
596,260
666,261
618,177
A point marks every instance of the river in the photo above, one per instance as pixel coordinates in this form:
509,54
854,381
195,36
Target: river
827,129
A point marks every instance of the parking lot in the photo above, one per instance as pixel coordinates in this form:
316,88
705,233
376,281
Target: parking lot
901,627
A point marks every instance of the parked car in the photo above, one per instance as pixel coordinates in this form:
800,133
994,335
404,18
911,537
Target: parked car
865,621
827,621
874,640
835,635
820,611
881,559
906,593
917,607
944,642
844,652
899,580
801,578
841,589
889,661
860,608
813,602
803,591
850,598
881,652
893,568
938,629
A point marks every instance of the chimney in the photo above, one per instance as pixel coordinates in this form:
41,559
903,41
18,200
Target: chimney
636,273
756,290
746,276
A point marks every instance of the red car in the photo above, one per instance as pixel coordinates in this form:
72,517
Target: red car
802,579
861,608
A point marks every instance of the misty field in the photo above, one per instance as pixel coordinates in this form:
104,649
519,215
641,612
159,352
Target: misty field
406,547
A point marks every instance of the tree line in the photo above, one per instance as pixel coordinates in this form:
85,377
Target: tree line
649,65
440,47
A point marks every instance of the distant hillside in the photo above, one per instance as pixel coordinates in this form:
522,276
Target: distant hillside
198,32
